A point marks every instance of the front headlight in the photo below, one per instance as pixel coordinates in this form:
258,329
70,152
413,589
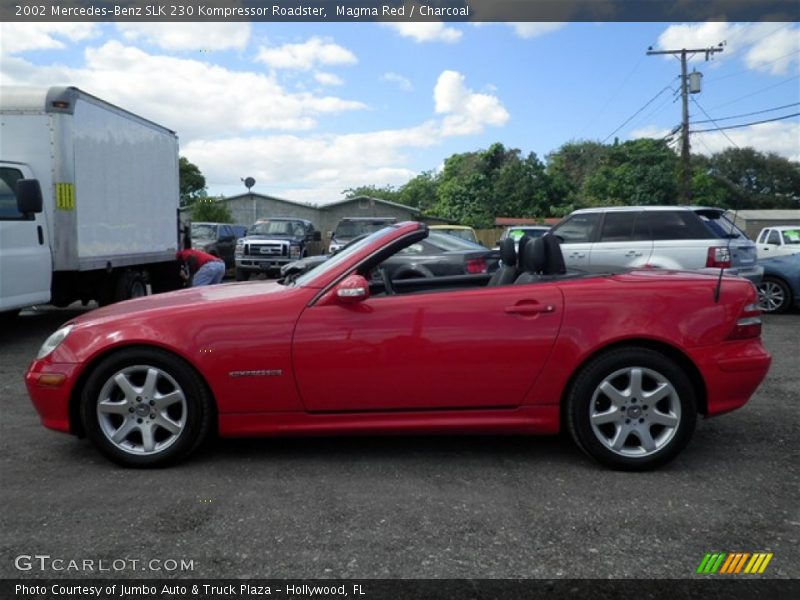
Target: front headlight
53,341
294,251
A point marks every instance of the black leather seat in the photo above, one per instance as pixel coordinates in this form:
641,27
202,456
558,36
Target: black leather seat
540,260
507,272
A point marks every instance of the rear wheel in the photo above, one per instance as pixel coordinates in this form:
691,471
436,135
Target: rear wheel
632,409
145,407
774,296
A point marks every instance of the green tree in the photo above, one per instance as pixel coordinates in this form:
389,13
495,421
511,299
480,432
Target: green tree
210,210
192,182
420,192
640,172
762,180
386,192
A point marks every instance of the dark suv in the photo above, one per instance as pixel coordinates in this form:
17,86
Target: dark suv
350,228
666,237
271,243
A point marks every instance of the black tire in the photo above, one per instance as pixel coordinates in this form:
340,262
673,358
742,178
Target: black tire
774,296
8,317
607,423
191,415
242,275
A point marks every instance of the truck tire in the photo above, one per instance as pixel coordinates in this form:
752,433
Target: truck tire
8,317
242,275
130,284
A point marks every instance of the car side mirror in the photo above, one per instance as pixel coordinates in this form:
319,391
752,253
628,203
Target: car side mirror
354,288
29,197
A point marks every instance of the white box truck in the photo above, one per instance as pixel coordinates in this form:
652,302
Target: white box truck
88,200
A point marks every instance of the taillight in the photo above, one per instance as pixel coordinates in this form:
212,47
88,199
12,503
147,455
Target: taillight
476,265
719,257
748,325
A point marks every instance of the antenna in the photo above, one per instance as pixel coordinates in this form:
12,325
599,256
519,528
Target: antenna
718,289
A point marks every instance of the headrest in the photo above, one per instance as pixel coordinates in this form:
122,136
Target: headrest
555,258
523,241
534,258
508,252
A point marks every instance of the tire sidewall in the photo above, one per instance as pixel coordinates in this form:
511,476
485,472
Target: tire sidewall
583,389
787,295
198,406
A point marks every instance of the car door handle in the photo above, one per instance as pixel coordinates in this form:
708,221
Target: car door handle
633,253
529,309
577,255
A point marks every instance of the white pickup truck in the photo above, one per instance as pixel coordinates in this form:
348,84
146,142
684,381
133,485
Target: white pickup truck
778,241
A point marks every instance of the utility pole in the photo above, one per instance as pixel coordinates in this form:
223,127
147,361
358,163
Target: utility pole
686,171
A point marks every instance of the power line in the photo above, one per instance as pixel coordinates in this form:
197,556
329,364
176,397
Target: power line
633,116
769,87
758,112
749,70
697,104
747,124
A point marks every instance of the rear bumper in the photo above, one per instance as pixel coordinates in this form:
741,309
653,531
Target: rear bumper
732,372
753,274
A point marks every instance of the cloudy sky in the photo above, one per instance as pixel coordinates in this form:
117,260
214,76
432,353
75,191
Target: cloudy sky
310,109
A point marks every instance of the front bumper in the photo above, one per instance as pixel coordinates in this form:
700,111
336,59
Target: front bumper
263,264
51,400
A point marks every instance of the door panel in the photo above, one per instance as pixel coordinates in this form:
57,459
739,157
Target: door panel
445,350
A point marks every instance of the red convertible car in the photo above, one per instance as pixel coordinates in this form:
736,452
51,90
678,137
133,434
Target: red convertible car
624,361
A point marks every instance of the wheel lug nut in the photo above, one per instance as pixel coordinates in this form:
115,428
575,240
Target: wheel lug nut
641,420
152,402
645,407
153,417
627,421
139,420
130,409
138,398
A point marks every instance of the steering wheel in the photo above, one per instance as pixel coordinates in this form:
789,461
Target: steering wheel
388,288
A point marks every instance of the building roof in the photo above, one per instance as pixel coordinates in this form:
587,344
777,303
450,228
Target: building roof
371,200
267,197
769,215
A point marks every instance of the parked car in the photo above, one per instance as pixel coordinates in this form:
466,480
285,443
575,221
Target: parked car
218,239
438,255
778,241
271,243
664,237
625,362
516,232
460,231
350,228
779,290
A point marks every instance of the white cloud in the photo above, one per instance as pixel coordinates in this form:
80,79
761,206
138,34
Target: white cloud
404,83
24,37
198,37
426,31
650,131
782,138
467,112
317,168
531,30
306,56
328,78
769,47
195,98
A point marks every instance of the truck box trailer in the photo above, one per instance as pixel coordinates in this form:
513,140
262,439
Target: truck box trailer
108,224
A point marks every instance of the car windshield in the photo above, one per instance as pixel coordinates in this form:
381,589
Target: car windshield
791,236
204,231
342,256
276,228
449,243
517,232
351,229
721,225
464,234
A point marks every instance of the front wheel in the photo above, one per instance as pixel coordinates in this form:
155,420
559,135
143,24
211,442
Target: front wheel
632,409
145,407
242,275
774,296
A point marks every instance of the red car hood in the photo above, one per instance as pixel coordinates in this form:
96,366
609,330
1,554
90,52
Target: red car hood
199,297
